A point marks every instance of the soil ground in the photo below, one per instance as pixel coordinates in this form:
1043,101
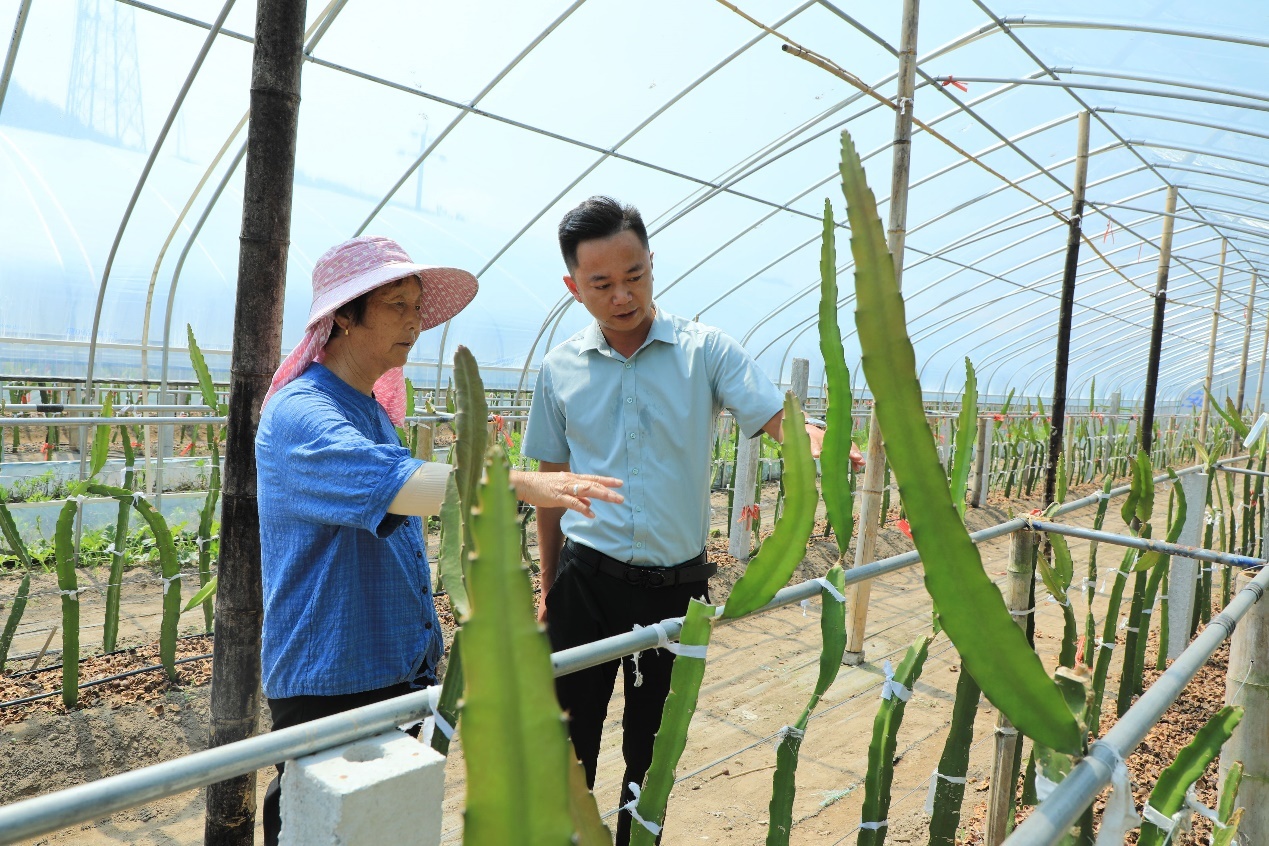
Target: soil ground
759,676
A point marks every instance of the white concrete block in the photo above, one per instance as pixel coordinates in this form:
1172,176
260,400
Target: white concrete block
383,789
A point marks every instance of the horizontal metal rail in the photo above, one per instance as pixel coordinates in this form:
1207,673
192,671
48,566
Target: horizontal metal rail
53,811
80,422
1245,471
1145,544
59,407
1053,817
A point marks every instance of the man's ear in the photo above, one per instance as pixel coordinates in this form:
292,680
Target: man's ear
572,288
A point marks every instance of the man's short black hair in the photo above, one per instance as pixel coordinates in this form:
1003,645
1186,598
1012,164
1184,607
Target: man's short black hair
598,217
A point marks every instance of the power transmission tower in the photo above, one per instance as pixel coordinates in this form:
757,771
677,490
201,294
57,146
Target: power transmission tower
104,92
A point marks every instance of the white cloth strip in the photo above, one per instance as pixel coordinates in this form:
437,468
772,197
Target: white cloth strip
1163,597
202,542
1156,817
874,826
934,781
167,582
1088,583
891,688
805,604
1147,610
1022,613
1192,802
689,650
793,731
633,807
1006,731
1102,496
73,594
1101,644
831,588
1044,787
1124,573
1120,816
137,497
1065,603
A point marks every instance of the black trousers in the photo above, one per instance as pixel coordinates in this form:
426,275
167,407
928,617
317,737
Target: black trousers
584,605
295,710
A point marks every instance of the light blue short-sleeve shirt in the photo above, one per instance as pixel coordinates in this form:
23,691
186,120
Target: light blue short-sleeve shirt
649,421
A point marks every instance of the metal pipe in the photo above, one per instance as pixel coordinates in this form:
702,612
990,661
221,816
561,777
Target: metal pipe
81,422
1053,817
1260,383
1242,367
1244,470
870,503
1156,332
1211,344
1074,227
11,56
1144,544
53,811
56,408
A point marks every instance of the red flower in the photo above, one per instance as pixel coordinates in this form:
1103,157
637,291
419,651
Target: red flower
500,428
748,514
999,418
189,446
904,527
46,448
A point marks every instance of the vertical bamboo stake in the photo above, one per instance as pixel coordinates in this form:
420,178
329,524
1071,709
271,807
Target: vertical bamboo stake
870,502
1260,383
1242,368
257,342
1017,598
1057,418
1156,331
1211,345
1247,684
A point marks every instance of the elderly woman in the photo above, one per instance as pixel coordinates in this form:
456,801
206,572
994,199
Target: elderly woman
348,611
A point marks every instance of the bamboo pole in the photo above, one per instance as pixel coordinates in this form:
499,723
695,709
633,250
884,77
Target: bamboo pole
1211,345
1057,419
1260,383
257,342
1156,331
874,472
1242,368
1018,600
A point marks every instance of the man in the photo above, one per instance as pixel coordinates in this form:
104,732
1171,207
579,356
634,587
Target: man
634,396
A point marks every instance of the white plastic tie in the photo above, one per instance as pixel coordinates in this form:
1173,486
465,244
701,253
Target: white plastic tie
1163,597
73,594
1044,786
1101,644
805,604
831,588
1192,802
891,688
1147,610
138,497
202,542
1022,613
934,781
1065,603
874,826
791,731
1157,818
1102,496
904,103
167,581
633,807
110,549
78,499
1120,816
436,719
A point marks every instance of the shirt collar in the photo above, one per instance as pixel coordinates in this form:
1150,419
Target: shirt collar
661,330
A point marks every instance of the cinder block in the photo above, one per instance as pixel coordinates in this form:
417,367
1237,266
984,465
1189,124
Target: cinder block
383,789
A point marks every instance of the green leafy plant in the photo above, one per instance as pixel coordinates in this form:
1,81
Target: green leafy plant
10,532
1168,796
68,584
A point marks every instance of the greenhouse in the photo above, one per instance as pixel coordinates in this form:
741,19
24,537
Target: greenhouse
940,327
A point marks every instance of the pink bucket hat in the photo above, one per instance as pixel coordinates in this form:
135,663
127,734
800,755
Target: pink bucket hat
347,271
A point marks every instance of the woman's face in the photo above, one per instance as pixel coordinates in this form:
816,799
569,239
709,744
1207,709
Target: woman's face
390,325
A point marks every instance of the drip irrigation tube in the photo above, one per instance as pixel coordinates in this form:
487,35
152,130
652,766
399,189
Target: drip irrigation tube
136,671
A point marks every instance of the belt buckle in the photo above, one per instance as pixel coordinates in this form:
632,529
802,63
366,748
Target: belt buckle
654,578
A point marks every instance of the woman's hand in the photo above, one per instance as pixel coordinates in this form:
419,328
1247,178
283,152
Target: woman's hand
565,490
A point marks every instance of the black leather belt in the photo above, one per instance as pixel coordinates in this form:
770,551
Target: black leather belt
697,569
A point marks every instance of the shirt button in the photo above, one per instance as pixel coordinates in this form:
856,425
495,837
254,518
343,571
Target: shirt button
635,471
629,365
629,399
427,625
638,508
418,553
639,545
633,435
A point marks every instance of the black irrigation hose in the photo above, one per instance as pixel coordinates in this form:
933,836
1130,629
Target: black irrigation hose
38,696
37,670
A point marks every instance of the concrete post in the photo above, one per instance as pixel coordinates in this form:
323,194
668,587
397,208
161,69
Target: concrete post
1247,684
801,379
1183,572
982,464
1017,598
427,443
945,442
384,789
744,480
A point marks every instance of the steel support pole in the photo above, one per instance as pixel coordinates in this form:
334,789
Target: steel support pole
1242,367
1156,331
1144,544
1057,418
1247,684
874,474
11,56
1211,345
257,344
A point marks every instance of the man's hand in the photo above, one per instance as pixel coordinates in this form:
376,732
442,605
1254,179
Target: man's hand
565,490
856,458
816,434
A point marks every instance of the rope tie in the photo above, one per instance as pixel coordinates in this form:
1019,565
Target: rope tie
632,807
934,781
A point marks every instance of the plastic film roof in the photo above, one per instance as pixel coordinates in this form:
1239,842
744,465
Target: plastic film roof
465,130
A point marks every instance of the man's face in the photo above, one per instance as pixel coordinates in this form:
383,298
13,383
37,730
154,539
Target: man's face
613,280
